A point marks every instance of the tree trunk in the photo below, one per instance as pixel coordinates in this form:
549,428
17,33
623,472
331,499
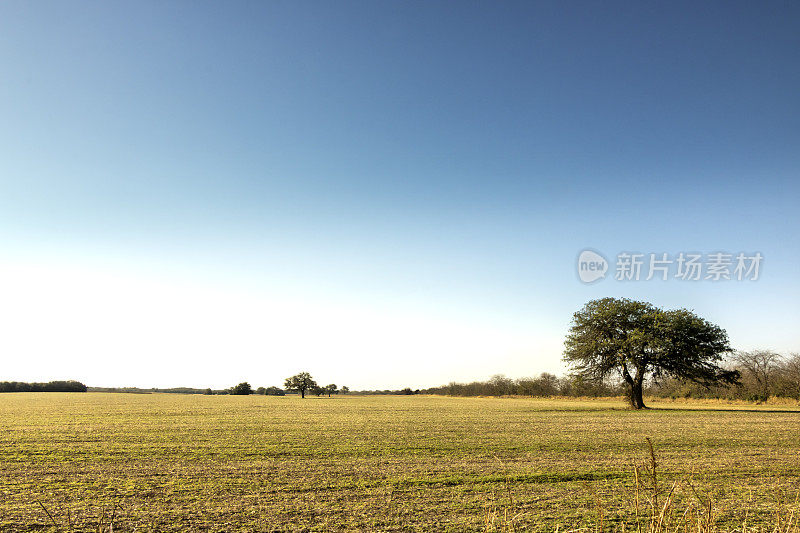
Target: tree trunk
302,393
637,402
635,387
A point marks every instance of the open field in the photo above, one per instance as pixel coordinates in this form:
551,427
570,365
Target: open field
229,463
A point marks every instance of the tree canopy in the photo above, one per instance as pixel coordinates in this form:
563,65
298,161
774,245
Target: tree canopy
242,389
636,340
300,383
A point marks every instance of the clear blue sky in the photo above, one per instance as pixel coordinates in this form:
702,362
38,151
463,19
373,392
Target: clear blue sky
385,194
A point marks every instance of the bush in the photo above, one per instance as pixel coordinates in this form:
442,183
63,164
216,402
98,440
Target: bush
242,389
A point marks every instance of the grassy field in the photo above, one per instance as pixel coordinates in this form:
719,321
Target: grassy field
228,463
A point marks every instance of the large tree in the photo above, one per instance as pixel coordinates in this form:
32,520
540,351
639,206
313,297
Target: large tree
636,340
301,383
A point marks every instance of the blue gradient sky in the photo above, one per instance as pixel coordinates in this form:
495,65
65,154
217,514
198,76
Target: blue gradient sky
413,181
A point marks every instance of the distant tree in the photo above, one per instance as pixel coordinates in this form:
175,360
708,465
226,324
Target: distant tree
636,340
789,377
549,384
301,383
545,385
760,367
345,389
242,389
317,390
274,391
261,391
208,392
331,389
407,391
501,385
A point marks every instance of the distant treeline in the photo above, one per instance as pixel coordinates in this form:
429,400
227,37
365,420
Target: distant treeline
544,385
52,386
245,389
764,374
137,390
239,389
403,392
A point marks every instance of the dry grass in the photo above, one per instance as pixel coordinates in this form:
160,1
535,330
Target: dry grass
196,463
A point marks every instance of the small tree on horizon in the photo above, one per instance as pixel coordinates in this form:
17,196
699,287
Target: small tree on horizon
242,389
636,340
301,383
331,389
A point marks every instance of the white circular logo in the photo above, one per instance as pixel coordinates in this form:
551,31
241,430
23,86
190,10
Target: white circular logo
591,266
